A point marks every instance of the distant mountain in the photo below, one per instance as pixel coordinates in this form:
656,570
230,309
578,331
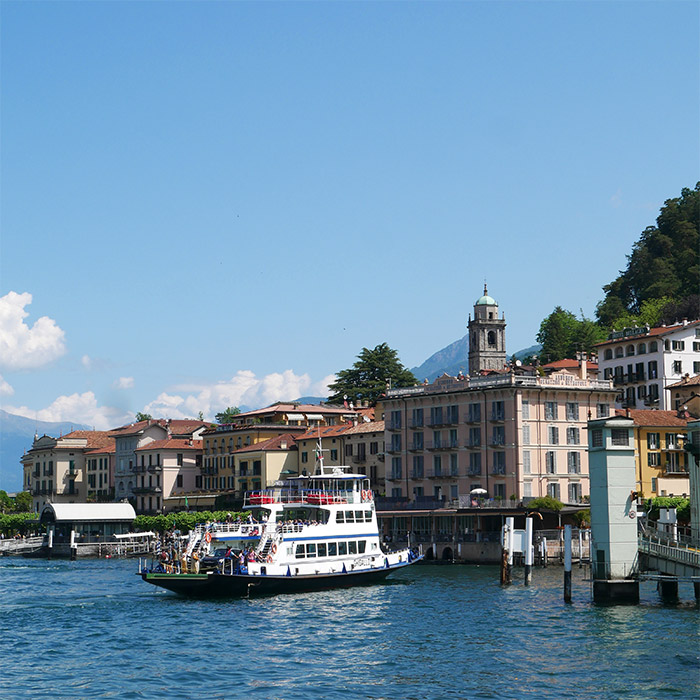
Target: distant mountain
455,357
17,436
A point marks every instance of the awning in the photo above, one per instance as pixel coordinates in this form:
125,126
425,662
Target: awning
314,416
295,416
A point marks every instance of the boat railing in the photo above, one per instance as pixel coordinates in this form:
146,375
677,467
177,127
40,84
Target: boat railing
311,496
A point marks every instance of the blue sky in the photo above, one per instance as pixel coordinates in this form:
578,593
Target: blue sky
213,203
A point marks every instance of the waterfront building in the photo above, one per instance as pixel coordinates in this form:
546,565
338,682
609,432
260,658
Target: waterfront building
686,395
295,415
661,463
643,362
99,474
331,442
129,438
164,467
54,468
514,435
365,452
581,367
224,471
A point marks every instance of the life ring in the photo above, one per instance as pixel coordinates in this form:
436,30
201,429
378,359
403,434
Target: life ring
364,495
207,537
269,559
273,549
370,495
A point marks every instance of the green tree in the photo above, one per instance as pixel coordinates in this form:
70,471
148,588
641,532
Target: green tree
227,415
545,503
368,378
143,416
6,503
665,262
562,335
23,502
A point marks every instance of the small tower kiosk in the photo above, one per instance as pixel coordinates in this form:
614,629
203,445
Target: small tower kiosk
614,551
487,336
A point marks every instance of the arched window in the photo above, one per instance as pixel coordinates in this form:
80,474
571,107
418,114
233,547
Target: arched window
492,337
608,354
641,349
630,350
619,352
653,346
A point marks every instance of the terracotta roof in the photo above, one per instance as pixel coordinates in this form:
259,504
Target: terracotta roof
686,381
326,431
569,364
376,426
95,438
171,444
274,443
296,408
652,333
177,427
110,449
653,418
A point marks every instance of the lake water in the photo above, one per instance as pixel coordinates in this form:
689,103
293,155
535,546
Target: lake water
92,629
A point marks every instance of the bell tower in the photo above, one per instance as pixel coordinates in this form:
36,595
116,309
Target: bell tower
487,336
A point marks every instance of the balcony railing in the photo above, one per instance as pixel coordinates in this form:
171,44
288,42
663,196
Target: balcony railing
393,425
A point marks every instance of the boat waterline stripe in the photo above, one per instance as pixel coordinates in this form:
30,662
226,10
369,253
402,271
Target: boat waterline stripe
331,537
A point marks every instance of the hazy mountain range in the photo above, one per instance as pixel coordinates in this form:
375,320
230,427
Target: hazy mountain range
17,432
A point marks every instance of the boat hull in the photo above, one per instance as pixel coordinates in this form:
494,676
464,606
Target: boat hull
216,585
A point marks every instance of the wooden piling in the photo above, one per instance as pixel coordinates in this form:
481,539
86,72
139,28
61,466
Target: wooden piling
567,563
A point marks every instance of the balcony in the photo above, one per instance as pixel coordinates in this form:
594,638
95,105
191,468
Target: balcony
417,475
393,425
473,419
437,474
443,445
441,422
497,417
416,423
498,471
147,490
473,444
416,447
394,476
675,470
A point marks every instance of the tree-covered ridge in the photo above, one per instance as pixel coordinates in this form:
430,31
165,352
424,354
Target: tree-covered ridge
369,377
562,335
663,269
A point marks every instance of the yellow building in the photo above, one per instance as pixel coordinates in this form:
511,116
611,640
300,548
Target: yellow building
661,461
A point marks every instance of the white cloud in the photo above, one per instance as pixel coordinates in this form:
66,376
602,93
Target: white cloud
124,383
244,388
5,388
22,347
77,408
87,361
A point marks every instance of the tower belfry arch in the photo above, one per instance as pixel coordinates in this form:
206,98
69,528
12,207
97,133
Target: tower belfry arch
487,335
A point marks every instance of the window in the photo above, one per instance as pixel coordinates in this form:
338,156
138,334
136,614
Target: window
573,436
395,445
437,465
571,411
574,493
653,459
453,414
497,410
454,466
179,481
334,455
642,349
348,450
179,459
696,347
499,462
527,468
373,448
474,437
553,433
396,468
498,435
395,421
526,409
573,462
304,457
677,367
301,552
608,354
653,346
417,418
321,549
474,413
343,546
696,367
652,366
475,463
436,415
352,547
417,441
653,441
603,410
499,491
677,345
619,352
550,410
620,437
417,467
527,489
654,481
671,441
332,549
550,459
553,490
526,435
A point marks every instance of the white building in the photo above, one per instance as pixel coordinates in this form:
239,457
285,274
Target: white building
643,362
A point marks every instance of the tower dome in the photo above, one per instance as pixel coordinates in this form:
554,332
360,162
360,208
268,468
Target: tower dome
486,300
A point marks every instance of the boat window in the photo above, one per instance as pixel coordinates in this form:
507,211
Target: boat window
368,516
349,516
321,549
342,548
361,546
339,517
352,547
332,549
300,551
311,550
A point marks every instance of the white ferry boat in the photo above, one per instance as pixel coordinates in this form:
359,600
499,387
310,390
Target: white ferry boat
306,533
